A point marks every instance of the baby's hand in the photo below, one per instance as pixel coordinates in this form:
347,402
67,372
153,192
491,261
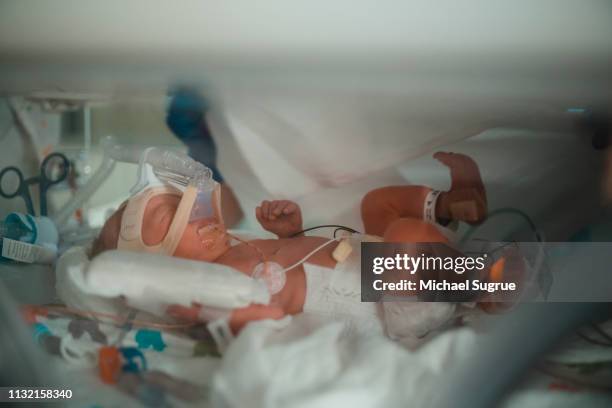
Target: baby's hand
238,318
280,217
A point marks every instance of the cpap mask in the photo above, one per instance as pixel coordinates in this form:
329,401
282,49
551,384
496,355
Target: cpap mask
162,171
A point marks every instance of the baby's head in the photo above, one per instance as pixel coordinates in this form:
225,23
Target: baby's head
205,239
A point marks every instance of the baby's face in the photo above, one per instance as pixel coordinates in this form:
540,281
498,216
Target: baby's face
205,239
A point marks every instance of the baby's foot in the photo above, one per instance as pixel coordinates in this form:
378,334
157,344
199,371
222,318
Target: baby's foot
467,198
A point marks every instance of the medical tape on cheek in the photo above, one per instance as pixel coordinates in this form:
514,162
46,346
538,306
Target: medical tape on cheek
211,235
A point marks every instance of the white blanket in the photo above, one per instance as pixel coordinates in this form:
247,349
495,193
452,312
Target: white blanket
295,363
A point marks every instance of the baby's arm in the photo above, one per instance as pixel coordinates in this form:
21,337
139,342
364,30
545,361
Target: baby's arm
280,217
238,318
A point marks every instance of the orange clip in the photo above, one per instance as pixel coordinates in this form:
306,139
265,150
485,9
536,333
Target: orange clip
29,313
496,274
109,363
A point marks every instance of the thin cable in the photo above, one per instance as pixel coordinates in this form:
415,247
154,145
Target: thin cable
574,381
314,251
126,327
261,254
343,229
591,340
255,247
505,210
324,226
601,332
499,248
118,319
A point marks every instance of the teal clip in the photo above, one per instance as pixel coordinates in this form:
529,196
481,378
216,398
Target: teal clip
150,339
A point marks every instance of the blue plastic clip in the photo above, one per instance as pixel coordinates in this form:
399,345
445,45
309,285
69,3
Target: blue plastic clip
40,330
150,339
131,356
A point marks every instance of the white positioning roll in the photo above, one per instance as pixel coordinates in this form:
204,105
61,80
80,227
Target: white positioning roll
151,281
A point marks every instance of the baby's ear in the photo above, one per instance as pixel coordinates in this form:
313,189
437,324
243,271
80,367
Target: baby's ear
158,217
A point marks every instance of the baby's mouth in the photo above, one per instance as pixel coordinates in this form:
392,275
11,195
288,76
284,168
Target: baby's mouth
212,234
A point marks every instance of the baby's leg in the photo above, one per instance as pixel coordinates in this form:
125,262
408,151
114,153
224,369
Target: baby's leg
383,206
414,231
466,200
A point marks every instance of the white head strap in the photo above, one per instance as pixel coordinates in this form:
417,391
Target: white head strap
130,235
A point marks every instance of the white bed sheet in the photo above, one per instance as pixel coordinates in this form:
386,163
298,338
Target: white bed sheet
554,177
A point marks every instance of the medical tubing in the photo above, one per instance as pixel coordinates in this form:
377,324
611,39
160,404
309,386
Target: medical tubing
601,332
158,157
311,253
298,263
163,159
175,162
127,326
118,320
84,193
505,210
338,227
126,154
262,256
591,340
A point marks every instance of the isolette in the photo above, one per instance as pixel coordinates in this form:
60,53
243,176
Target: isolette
311,106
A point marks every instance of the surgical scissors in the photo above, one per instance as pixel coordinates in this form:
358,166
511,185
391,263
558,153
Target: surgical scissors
45,180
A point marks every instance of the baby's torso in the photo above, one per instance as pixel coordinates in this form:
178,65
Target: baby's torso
285,252
326,290
335,294
320,287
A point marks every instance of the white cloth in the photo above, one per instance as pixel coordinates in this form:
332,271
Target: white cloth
72,288
293,363
333,295
412,323
151,282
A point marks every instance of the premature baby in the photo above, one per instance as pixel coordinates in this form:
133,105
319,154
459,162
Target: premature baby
396,214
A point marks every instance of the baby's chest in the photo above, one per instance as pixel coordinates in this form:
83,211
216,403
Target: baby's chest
284,252
242,260
245,257
294,251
